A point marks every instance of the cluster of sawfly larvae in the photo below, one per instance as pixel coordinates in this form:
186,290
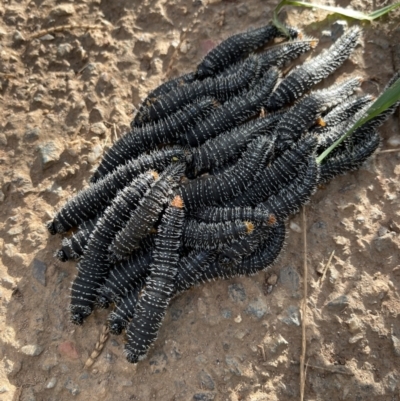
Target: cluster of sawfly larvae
200,188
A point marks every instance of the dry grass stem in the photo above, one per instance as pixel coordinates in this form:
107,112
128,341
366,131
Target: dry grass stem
62,28
98,347
326,268
303,309
388,151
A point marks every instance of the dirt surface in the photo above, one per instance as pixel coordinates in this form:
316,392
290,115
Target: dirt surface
63,97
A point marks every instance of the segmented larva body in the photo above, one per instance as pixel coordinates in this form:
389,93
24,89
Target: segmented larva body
278,174
266,255
95,264
190,268
351,158
281,54
211,190
160,286
303,77
120,317
215,214
289,200
157,160
199,235
147,213
236,48
73,247
221,88
304,113
123,277
232,113
342,112
232,254
161,90
228,146
148,137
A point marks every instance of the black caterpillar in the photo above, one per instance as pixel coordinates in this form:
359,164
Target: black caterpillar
304,113
147,213
302,78
74,247
211,190
279,174
152,305
95,265
221,88
228,146
199,235
163,89
236,48
232,113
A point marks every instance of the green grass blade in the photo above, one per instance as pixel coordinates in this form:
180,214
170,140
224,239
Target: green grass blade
347,12
382,103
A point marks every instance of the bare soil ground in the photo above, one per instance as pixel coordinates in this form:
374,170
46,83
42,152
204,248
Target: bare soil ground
65,96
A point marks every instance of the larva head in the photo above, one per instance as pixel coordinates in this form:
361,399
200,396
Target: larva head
77,318
320,121
249,226
79,313
271,220
51,226
131,357
314,43
61,255
102,301
177,202
116,326
205,69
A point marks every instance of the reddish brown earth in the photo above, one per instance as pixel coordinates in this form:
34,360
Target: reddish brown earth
64,97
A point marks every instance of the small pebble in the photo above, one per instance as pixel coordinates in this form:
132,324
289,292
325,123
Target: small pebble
32,350
339,302
272,280
357,337
98,128
295,227
49,153
204,397
237,292
63,10
238,319
206,381
292,317
68,350
39,271
3,139
3,389
18,37
52,383
47,37
32,134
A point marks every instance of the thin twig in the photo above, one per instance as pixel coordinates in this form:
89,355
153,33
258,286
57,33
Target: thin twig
304,310
388,151
262,351
98,347
331,369
62,28
326,268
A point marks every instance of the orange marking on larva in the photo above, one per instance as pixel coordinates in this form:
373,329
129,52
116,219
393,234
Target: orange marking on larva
314,43
154,174
320,121
271,220
250,226
300,35
177,202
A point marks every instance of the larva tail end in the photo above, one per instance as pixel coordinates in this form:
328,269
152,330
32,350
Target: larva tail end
77,318
131,357
61,255
177,202
51,227
155,174
115,327
102,302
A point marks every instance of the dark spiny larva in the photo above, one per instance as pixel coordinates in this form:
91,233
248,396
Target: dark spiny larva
124,276
147,213
351,158
161,90
211,190
199,235
279,174
160,287
148,137
289,200
221,88
342,112
190,267
157,160
237,47
281,54
233,254
232,113
302,78
120,317
304,113
228,146
214,214
74,246
95,264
